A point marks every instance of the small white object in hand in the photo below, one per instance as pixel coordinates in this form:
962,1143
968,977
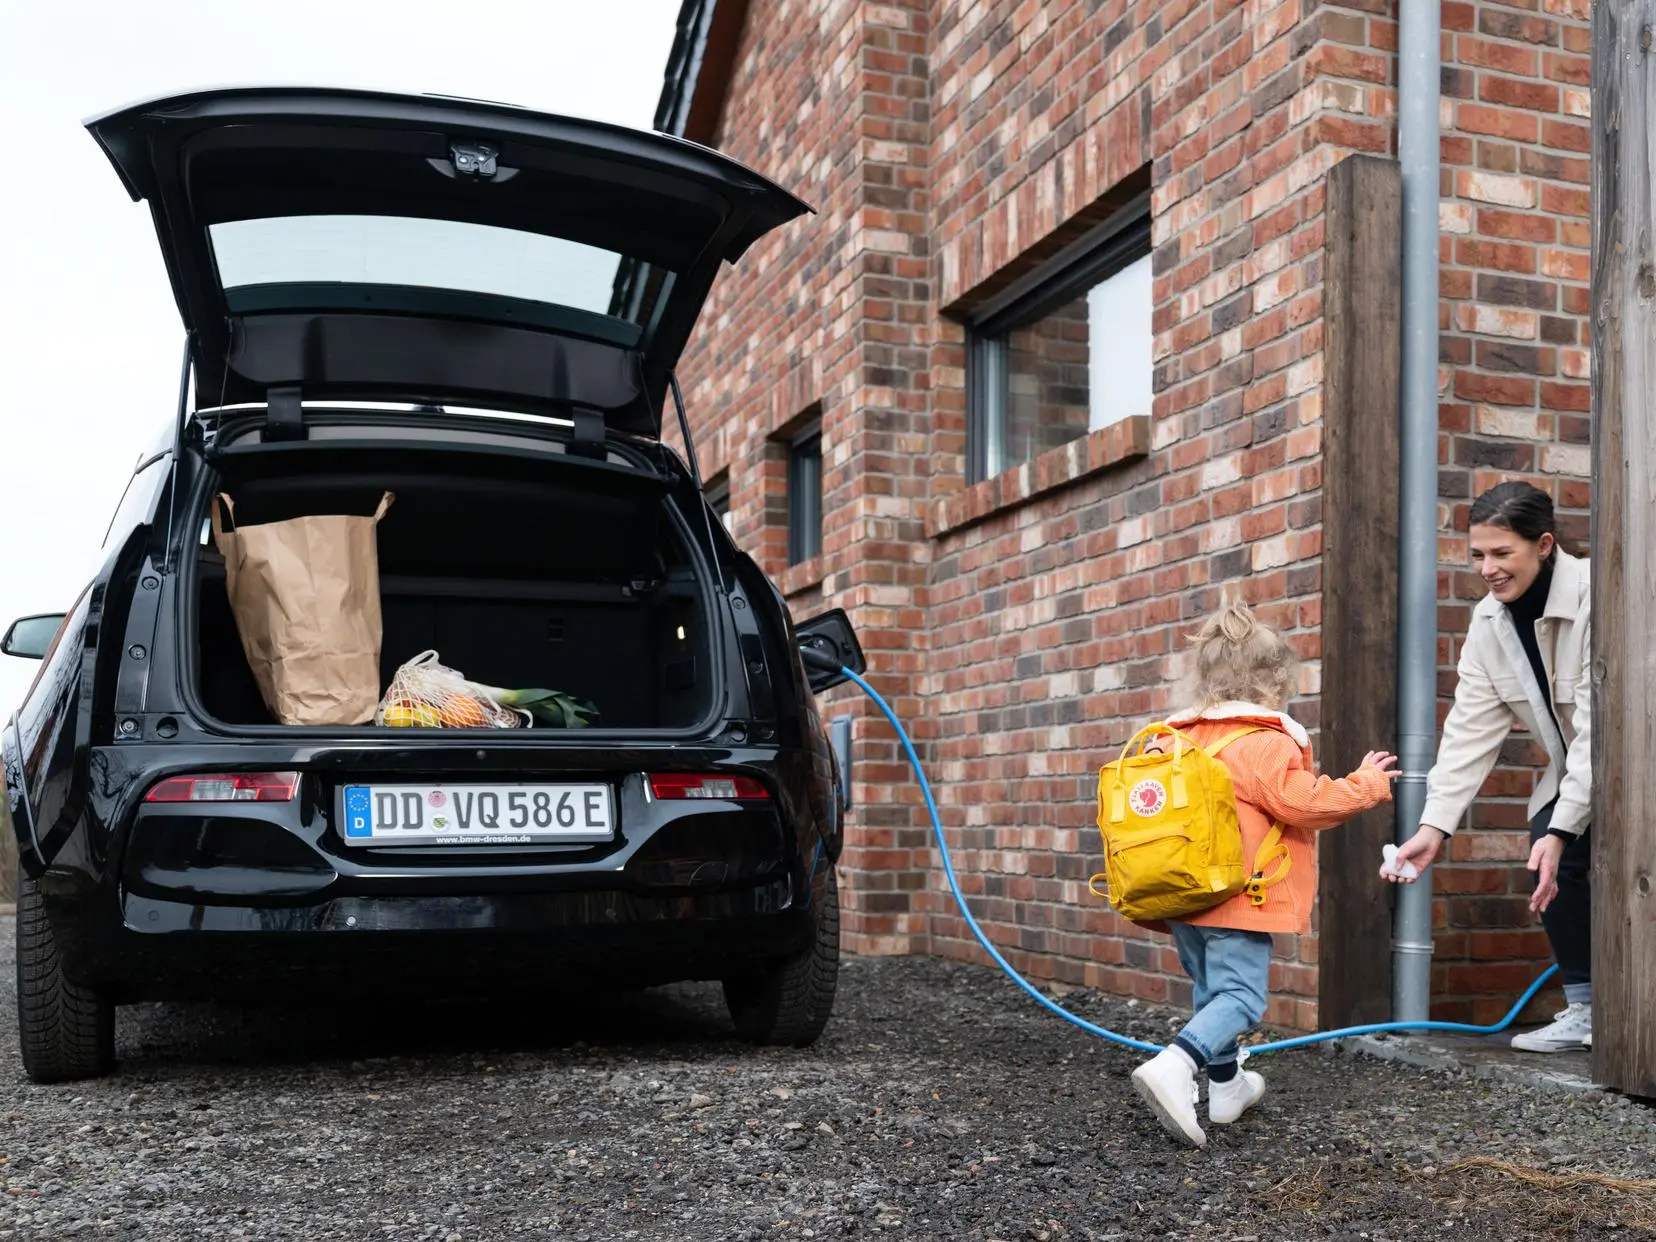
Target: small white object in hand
1408,870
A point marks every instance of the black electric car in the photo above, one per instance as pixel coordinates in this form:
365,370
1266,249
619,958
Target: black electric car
477,308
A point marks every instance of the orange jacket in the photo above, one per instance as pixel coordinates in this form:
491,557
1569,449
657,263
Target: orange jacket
1274,779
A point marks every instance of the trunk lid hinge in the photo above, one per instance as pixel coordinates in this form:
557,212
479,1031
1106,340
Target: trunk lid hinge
588,438
284,416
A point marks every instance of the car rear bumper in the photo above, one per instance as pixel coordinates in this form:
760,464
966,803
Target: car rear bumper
183,899
144,948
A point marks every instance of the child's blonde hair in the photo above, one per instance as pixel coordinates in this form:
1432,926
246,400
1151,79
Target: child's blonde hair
1239,659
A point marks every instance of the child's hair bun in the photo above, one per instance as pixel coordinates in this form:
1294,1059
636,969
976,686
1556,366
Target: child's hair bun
1240,659
1235,620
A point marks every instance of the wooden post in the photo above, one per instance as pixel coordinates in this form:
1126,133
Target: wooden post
1624,548
1362,312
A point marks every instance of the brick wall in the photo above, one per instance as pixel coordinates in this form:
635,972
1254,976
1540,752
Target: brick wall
1514,352
1026,625
1059,625
829,318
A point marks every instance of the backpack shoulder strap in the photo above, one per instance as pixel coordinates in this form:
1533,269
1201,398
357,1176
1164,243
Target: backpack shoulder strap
1212,752
1272,862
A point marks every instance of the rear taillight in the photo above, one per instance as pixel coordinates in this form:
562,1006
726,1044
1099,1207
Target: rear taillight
674,785
227,787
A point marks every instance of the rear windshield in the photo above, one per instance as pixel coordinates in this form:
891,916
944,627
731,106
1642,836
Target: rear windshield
410,252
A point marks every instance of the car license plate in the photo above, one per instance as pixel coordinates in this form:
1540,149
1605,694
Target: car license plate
381,815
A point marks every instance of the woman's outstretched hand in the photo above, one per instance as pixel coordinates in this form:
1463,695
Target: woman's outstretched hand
1421,849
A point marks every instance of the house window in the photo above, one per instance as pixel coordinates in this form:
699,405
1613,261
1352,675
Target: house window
718,497
805,496
1064,351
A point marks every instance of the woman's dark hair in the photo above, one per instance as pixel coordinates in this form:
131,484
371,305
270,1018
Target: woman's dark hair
1522,508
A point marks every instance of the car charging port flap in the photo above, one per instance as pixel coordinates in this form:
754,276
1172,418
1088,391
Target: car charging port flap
227,787
673,786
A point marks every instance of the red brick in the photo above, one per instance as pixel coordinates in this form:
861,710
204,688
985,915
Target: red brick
1346,62
1499,157
1571,70
1517,225
1494,389
1465,879
1506,57
1511,357
1505,24
1497,122
1456,285
1567,136
1495,256
1504,946
1555,167
1353,134
1572,495
1566,397
1535,96
1566,264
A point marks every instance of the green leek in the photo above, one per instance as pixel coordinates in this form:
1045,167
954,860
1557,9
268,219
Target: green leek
548,707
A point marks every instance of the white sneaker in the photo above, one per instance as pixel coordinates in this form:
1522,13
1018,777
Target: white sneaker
1167,1083
1568,1031
1229,1100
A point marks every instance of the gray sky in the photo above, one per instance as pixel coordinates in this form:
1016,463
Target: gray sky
90,338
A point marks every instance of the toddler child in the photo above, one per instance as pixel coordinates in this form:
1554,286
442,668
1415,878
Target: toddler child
1244,675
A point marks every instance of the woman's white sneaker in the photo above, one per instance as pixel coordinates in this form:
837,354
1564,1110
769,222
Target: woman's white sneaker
1167,1083
1568,1031
1229,1100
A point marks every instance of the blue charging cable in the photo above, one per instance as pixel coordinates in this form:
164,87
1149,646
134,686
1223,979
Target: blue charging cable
1116,1037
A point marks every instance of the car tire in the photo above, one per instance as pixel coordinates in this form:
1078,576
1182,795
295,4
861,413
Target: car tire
66,1030
790,1002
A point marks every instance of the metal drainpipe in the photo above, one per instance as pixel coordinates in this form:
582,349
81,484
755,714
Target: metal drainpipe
1418,84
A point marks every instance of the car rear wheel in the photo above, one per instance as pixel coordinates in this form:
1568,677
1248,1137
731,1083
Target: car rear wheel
66,1030
790,1002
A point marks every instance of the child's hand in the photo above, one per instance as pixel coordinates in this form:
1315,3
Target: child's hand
1382,759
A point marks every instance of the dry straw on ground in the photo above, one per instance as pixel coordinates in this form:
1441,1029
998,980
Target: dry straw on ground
1573,1198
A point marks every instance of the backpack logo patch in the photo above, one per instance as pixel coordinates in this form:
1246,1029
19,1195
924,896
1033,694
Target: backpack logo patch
1147,798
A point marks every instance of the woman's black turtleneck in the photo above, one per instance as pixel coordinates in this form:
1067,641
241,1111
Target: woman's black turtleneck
1526,610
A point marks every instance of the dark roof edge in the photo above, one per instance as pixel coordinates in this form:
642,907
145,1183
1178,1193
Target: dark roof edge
699,67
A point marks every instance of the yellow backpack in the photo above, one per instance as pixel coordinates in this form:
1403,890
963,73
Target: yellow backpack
1172,840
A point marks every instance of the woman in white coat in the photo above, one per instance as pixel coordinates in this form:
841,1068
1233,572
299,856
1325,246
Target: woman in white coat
1525,660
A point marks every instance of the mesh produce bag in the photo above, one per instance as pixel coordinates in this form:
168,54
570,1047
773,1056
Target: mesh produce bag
425,694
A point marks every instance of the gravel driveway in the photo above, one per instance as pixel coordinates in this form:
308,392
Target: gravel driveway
940,1104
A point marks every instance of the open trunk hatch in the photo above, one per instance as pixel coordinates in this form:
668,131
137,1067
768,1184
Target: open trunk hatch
361,245
518,572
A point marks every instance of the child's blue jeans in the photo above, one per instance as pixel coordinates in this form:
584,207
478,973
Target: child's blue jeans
1232,971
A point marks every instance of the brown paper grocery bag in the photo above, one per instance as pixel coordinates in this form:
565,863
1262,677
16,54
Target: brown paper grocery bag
306,598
